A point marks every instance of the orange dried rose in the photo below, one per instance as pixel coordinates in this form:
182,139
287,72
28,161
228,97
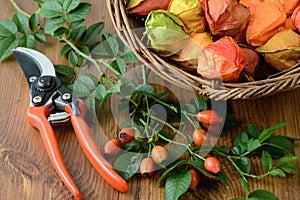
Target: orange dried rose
222,59
224,17
251,4
144,7
296,17
265,21
287,5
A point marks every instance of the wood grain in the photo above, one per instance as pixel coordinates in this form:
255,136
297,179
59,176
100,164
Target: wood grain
25,170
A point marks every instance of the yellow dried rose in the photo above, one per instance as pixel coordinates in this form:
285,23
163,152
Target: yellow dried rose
190,12
282,51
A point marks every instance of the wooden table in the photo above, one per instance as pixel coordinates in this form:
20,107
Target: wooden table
25,170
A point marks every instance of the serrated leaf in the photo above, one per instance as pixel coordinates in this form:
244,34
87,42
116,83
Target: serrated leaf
91,33
64,70
100,92
128,164
73,58
253,144
77,33
60,31
245,184
277,172
289,168
22,22
269,131
8,38
266,160
131,57
200,103
239,143
244,164
169,169
145,89
76,24
80,12
69,5
177,184
285,160
173,154
51,9
190,108
283,144
119,65
262,195
27,41
33,22
89,80
252,131
65,49
41,38
53,24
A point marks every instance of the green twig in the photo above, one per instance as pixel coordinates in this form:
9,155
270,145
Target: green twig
19,9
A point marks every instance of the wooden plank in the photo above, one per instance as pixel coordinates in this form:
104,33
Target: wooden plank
25,170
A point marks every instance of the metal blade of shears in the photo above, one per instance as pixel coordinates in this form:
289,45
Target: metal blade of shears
34,64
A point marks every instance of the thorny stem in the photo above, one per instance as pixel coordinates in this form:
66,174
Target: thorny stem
19,9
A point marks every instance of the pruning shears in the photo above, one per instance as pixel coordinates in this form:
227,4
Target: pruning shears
50,104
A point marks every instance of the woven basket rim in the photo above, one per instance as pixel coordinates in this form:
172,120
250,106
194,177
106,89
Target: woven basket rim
214,89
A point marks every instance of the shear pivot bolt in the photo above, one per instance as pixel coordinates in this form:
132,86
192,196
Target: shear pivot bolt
37,99
66,96
32,79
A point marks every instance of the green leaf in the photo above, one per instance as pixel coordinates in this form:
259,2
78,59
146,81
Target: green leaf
174,154
289,168
91,33
239,143
80,12
73,58
285,160
199,164
33,22
41,38
190,108
169,169
245,184
27,41
277,172
65,49
100,92
22,22
262,195
108,47
51,9
119,65
266,160
88,79
77,33
64,70
76,24
53,24
131,57
253,144
60,31
8,38
283,144
200,103
125,87
145,89
237,199
69,5
244,164
230,122
134,145
252,131
128,164
269,131
177,184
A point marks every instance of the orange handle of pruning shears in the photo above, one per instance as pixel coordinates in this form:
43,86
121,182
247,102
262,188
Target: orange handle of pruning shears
37,118
92,151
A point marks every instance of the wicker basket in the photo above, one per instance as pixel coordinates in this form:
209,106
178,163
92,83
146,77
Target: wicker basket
210,88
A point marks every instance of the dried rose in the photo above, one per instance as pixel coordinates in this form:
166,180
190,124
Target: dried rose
188,56
222,59
190,12
166,32
252,61
144,7
265,21
282,51
251,4
224,17
287,5
296,17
